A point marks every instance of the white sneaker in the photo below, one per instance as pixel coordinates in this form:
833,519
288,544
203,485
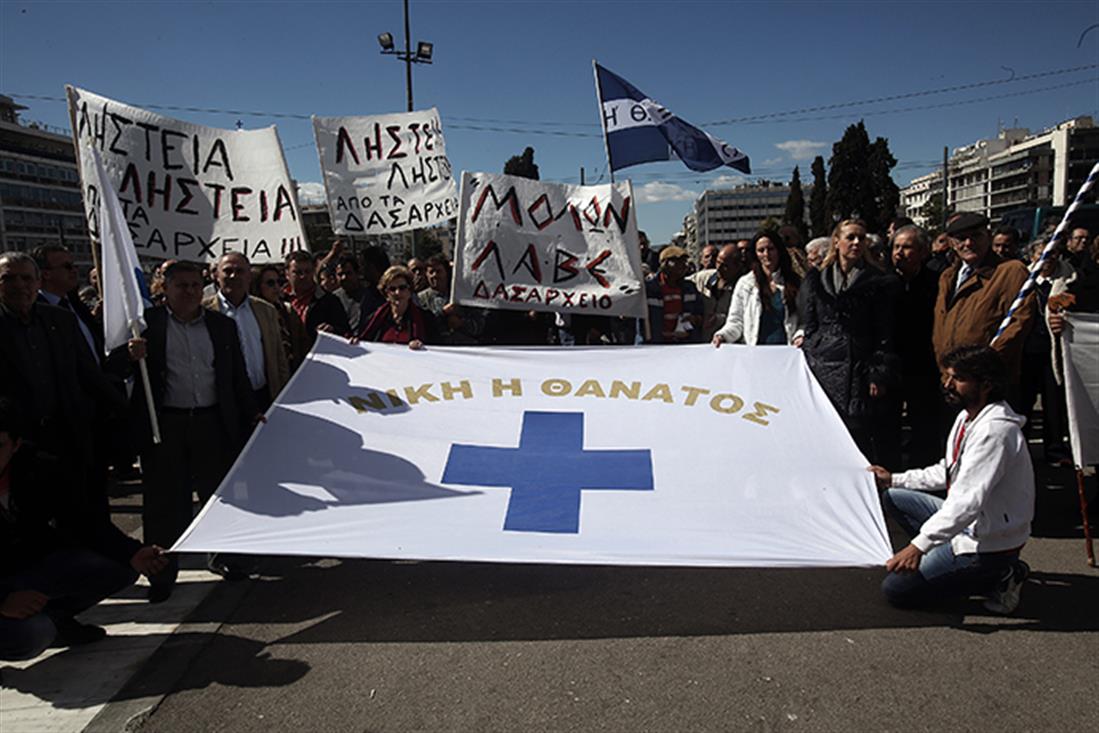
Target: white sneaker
1005,598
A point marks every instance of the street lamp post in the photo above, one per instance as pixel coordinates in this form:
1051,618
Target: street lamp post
424,50
422,55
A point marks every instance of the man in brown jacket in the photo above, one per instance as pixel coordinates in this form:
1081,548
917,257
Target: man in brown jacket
257,326
975,293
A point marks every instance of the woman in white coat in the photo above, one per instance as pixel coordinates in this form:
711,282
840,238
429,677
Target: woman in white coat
764,309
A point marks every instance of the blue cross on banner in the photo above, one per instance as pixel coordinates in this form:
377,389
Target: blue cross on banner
548,472
640,130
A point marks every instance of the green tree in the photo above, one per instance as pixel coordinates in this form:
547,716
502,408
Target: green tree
795,206
819,217
770,224
886,193
522,165
850,194
859,180
427,244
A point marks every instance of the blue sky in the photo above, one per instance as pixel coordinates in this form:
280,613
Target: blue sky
527,66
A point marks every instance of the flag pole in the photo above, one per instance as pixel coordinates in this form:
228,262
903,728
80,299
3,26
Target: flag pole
153,423
602,117
1089,548
1058,235
93,239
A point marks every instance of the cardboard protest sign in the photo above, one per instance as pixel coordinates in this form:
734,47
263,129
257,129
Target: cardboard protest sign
533,245
385,173
188,191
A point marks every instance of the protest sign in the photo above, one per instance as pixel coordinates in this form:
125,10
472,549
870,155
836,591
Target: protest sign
1080,347
385,173
187,191
545,455
533,245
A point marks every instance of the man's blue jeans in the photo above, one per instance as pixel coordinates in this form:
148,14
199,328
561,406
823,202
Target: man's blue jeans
942,574
74,580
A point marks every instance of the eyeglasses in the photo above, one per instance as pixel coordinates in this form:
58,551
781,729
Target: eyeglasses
396,288
270,283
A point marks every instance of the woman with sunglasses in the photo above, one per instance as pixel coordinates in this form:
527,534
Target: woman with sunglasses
399,320
266,284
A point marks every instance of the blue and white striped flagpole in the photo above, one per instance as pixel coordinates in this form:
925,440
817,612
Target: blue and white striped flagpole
1058,235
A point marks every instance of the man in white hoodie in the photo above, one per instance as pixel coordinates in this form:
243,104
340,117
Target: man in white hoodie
969,542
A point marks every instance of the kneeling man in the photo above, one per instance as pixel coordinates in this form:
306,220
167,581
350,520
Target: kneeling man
969,542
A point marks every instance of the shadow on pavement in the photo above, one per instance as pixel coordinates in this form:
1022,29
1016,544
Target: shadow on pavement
1050,602
379,601
382,601
252,666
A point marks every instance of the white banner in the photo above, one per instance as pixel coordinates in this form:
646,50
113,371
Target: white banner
386,173
1080,347
552,456
188,192
533,245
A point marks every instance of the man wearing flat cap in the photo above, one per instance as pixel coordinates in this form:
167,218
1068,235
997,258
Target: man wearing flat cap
975,293
675,305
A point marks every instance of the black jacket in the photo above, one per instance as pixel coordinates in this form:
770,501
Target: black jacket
326,309
79,383
45,513
95,327
236,405
849,336
915,316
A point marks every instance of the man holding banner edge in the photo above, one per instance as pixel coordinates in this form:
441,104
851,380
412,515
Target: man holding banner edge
969,542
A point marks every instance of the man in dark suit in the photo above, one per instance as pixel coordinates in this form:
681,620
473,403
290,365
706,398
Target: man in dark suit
59,280
318,310
49,372
204,407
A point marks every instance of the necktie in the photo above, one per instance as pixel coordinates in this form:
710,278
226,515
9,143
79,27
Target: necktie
964,273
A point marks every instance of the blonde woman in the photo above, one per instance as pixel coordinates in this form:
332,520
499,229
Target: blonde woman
847,333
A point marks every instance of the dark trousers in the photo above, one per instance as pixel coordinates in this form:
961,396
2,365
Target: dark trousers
923,410
1038,379
74,579
193,456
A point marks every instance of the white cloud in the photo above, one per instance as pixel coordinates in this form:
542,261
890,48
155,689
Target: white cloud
311,193
727,181
656,191
773,161
801,149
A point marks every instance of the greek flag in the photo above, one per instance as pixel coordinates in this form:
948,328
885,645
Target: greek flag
638,129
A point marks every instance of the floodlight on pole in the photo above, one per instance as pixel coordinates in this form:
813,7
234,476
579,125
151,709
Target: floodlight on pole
422,55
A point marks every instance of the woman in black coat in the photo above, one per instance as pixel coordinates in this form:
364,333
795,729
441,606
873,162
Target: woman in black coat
847,328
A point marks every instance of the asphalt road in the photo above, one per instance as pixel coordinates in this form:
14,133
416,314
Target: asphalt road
380,646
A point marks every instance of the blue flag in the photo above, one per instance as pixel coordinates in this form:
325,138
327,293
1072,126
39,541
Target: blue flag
640,130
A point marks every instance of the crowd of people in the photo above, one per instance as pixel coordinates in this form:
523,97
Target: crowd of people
880,320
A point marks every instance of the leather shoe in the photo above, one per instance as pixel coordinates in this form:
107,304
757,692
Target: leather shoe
71,632
160,592
226,571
